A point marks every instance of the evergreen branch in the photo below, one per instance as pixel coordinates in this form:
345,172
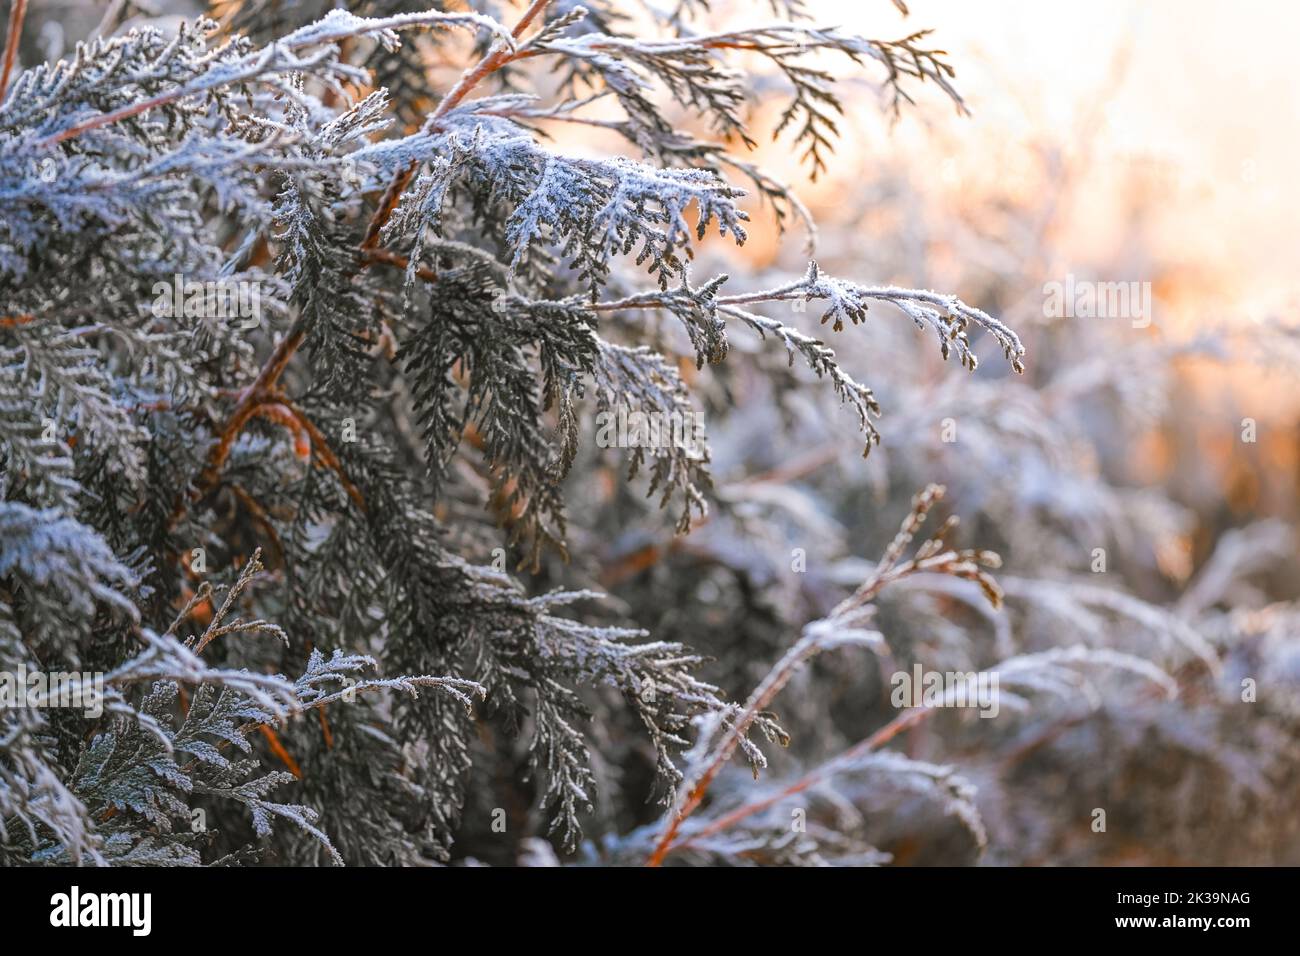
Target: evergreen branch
278,57
497,57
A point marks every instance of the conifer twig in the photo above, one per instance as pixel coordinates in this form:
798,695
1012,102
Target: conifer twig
493,60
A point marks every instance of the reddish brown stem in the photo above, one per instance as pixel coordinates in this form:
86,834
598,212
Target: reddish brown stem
321,449
104,119
244,409
16,14
259,514
398,261
277,748
881,737
280,414
264,385
496,58
886,572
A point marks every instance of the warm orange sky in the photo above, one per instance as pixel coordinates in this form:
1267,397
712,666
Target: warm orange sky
1183,114
1206,94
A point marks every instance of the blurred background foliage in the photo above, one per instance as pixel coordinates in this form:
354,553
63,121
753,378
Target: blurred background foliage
1108,141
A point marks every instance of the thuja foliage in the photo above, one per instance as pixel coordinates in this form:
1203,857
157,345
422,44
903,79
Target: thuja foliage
315,548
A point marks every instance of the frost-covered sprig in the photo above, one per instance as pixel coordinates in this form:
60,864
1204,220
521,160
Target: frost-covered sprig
311,49
143,763
848,624
34,795
692,66
671,147
1060,671
591,209
655,676
821,359
60,564
311,687
123,105
640,381
947,315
